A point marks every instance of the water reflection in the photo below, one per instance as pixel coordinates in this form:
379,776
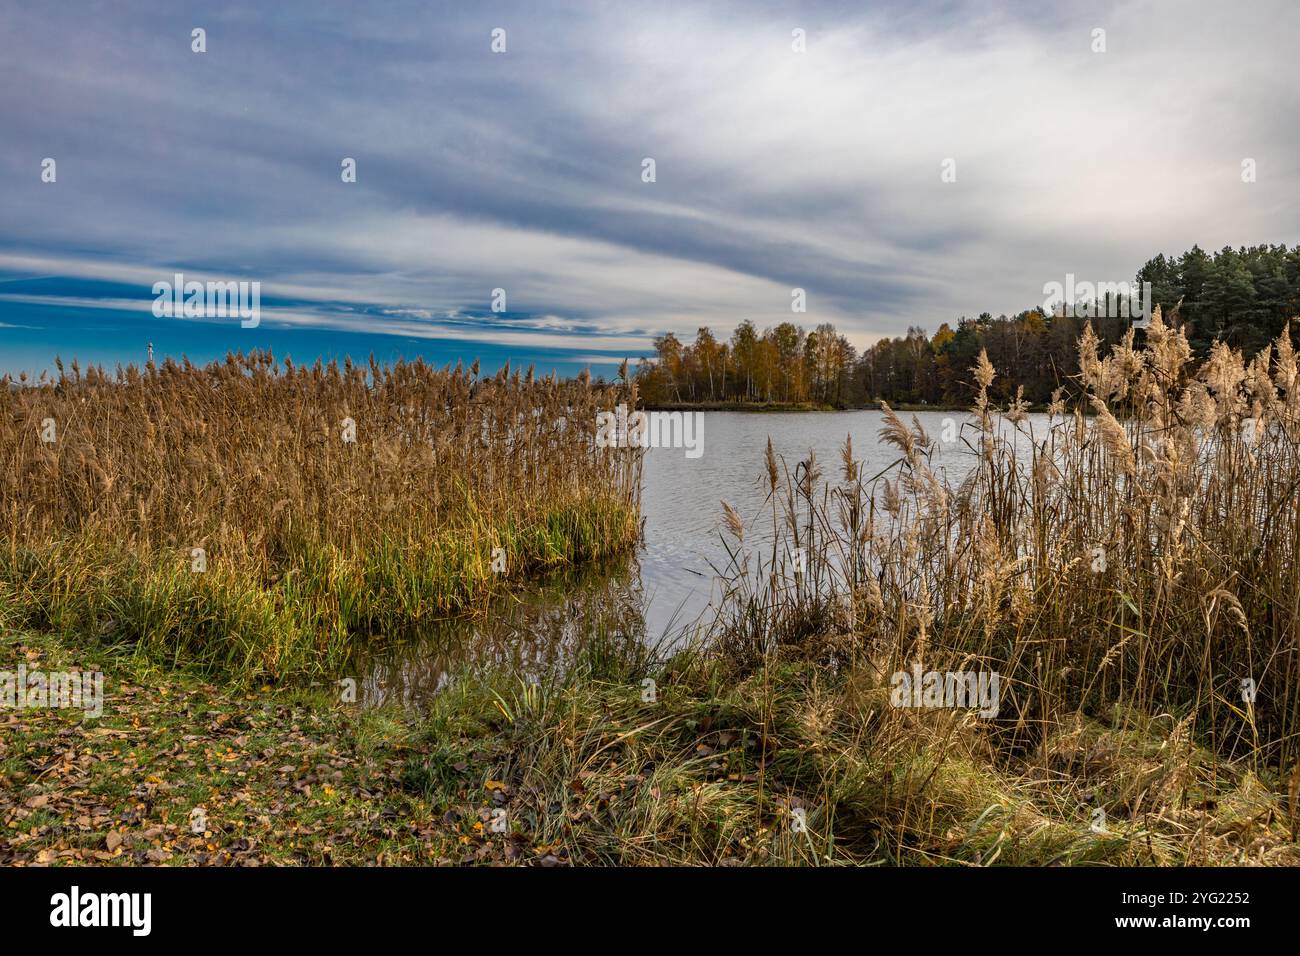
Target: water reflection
670,584
533,633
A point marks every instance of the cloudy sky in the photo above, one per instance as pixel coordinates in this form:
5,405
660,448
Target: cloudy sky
775,168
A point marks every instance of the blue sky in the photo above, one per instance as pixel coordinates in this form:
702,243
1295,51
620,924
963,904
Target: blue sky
522,170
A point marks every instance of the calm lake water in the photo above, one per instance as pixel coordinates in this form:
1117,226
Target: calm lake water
670,582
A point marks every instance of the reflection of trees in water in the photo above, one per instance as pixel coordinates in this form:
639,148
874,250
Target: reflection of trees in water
533,633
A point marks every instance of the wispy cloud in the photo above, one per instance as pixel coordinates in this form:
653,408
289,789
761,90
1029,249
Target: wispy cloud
522,171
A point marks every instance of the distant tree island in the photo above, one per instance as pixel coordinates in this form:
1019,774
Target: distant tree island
1244,297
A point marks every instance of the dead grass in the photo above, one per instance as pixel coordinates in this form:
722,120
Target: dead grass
1123,574
255,517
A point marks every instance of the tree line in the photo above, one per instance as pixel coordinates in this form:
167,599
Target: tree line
1241,296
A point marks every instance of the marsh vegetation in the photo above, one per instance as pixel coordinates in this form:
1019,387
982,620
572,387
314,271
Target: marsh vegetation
1130,574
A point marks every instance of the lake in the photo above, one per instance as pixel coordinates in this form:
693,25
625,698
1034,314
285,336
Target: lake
669,583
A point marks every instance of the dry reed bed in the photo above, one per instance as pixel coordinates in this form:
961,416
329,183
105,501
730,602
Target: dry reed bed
1138,565
327,501
1122,577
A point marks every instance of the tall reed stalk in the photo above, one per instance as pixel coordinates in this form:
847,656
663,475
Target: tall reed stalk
1140,558
257,515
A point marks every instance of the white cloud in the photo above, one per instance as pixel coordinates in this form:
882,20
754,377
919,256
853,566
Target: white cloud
775,169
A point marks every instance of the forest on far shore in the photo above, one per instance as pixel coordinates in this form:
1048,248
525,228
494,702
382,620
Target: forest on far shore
1243,297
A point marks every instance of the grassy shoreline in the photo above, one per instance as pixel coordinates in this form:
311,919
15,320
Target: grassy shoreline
302,621
583,771
1131,585
256,518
